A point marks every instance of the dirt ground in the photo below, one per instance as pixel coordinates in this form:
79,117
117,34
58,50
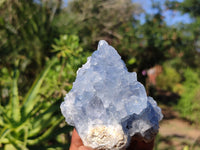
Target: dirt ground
176,133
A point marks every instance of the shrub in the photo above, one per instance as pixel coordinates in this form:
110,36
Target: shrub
32,119
29,120
169,80
189,104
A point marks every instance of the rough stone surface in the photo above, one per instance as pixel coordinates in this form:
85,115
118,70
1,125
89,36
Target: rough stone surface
107,104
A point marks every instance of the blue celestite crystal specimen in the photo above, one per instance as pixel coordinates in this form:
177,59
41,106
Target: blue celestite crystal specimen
107,105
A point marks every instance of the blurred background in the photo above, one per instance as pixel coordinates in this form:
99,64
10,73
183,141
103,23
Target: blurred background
44,42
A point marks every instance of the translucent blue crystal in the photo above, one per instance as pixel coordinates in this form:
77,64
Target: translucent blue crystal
107,104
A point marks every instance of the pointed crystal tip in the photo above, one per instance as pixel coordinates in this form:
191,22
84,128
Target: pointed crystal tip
102,43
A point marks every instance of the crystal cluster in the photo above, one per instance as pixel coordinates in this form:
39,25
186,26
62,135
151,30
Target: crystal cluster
107,105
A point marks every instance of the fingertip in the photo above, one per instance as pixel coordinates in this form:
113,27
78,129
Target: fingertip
76,140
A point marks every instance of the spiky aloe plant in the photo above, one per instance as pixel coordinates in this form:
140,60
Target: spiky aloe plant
30,120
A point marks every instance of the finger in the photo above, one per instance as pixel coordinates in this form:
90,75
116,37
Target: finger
84,148
76,141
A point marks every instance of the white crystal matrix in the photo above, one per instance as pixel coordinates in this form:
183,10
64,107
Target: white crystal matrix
107,105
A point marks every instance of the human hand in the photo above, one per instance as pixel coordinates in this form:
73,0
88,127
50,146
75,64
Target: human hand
76,142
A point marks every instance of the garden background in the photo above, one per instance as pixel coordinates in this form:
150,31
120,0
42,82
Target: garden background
44,42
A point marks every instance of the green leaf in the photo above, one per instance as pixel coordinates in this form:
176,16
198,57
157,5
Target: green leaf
19,145
3,133
9,147
44,119
48,133
5,116
30,99
15,114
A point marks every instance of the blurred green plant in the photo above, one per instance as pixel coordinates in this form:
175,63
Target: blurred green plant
66,46
169,80
32,119
5,82
189,105
70,56
186,147
97,20
190,32
27,32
